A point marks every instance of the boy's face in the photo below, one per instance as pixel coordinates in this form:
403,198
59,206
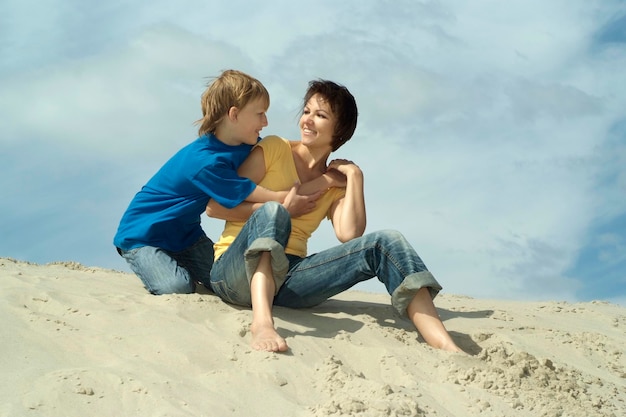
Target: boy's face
251,119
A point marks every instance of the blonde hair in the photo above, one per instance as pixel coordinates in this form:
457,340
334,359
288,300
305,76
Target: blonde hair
231,88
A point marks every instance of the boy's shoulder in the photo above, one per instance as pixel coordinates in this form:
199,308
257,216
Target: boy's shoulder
213,144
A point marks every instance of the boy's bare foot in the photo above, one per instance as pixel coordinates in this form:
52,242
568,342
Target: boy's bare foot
265,337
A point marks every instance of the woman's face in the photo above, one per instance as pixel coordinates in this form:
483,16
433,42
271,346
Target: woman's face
317,123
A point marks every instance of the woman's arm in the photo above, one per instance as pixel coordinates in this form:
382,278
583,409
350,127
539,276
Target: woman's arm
348,214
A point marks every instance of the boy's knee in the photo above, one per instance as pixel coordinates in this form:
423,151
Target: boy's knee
173,288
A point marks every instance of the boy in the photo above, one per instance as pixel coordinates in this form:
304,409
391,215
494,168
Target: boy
160,234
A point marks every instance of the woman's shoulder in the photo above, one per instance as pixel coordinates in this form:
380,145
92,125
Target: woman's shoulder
277,142
275,148
274,139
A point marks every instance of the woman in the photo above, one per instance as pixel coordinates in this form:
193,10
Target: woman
271,238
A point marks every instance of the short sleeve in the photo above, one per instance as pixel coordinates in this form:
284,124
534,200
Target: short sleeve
275,150
336,194
221,183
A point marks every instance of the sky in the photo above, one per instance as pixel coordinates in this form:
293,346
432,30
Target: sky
491,134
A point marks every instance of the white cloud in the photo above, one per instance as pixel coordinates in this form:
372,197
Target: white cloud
121,101
484,132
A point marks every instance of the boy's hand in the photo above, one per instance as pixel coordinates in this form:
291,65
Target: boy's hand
297,204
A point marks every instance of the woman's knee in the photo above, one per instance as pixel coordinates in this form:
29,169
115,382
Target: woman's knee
276,210
276,213
389,237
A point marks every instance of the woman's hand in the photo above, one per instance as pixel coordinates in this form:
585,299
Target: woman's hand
345,167
348,213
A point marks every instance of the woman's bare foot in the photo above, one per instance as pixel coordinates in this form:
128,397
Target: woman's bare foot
424,316
451,347
265,337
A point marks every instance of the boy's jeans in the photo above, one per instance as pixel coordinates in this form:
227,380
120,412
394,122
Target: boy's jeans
165,272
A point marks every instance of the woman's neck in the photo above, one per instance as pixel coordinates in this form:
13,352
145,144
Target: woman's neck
310,162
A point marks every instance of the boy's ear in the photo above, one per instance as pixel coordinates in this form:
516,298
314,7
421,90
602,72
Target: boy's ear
233,112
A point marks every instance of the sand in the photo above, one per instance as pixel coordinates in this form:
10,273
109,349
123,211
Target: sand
83,341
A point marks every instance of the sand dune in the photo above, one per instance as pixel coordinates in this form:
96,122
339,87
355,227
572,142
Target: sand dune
81,341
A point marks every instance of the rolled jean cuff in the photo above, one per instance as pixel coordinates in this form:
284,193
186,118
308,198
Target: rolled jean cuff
407,289
280,264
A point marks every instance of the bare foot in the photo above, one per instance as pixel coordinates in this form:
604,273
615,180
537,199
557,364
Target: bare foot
451,347
446,344
265,337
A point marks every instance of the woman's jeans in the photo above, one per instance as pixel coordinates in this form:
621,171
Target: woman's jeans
309,281
267,230
165,272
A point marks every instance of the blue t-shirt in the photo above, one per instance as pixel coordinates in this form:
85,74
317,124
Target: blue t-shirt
166,212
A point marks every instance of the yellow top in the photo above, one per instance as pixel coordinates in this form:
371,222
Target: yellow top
281,174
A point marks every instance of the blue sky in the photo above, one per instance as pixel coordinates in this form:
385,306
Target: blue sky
492,134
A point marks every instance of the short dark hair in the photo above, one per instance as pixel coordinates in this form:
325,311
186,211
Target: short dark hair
342,104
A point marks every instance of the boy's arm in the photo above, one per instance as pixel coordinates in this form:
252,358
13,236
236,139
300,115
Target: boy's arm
254,169
332,178
240,213
295,203
298,201
263,195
